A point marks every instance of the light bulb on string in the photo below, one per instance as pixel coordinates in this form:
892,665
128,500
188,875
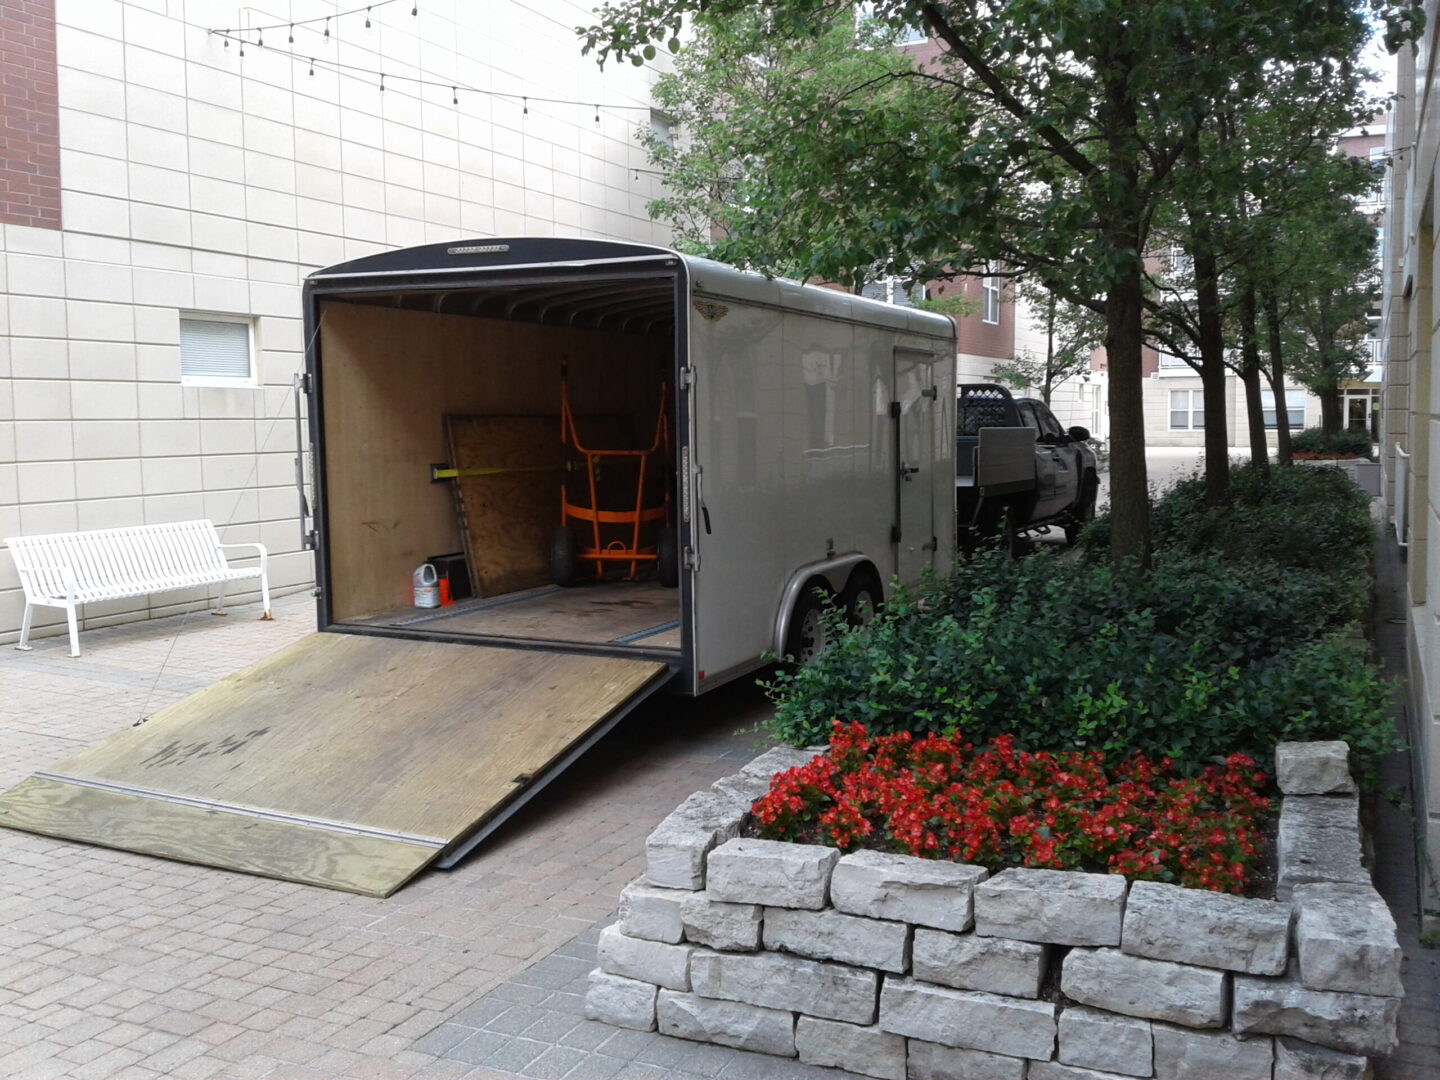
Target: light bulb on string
454,96
327,26
597,114
525,102
367,18
242,48
292,33
312,66
382,82
414,9
261,34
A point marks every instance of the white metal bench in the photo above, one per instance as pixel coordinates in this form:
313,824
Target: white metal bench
66,570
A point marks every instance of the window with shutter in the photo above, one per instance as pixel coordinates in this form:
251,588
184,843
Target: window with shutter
216,351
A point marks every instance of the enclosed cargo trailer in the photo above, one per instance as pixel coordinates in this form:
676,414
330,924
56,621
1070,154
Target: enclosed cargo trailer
804,443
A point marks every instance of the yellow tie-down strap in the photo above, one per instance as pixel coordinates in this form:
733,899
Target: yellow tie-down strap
444,472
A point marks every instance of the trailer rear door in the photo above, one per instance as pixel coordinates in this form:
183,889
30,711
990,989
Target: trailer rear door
345,761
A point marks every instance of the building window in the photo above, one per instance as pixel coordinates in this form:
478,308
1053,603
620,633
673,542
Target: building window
1187,410
1170,361
217,350
1294,406
990,298
867,25
892,290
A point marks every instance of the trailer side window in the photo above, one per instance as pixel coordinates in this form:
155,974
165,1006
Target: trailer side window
217,350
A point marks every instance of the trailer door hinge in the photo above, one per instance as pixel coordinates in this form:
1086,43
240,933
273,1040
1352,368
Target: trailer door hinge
304,382
310,540
691,559
933,545
894,534
933,394
687,377
895,410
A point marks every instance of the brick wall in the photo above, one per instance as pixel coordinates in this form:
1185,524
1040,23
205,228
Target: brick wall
29,115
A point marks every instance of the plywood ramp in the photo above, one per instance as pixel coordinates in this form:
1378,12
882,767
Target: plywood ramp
344,761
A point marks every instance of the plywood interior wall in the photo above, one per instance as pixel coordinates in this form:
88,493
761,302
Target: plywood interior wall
389,376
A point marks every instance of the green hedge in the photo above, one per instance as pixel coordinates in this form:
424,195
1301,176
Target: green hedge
1348,443
1241,636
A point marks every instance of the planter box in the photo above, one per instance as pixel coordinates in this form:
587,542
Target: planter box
898,967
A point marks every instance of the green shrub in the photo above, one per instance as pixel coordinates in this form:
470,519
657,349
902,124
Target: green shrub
1196,660
1348,443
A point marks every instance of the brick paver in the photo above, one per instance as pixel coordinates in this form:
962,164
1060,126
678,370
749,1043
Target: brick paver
114,964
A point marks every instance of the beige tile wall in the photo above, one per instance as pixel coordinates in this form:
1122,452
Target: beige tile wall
194,181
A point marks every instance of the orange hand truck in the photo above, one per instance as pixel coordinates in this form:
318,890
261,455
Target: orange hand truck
638,536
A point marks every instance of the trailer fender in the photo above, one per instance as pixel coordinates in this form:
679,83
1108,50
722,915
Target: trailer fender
834,572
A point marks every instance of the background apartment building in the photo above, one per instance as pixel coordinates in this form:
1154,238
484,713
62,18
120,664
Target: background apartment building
166,188
1410,410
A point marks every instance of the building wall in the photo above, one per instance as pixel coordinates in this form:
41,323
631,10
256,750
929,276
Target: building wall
1157,409
30,122
1411,400
192,180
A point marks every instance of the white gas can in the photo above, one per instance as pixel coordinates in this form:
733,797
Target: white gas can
426,581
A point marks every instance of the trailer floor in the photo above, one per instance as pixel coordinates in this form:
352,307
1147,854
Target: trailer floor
614,613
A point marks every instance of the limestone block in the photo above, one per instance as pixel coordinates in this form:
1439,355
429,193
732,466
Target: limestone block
924,892
621,1002
728,1023
708,922
780,759
1313,768
1183,1054
1345,939
968,1018
1296,1060
829,935
931,1061
647,911
1105,1041
1323,811
1054,1070
775,981
742,788
864,1050
1196,926
971,962
771,872
1063,907
1138,986
648,961
675,850
1308,850
1352,1023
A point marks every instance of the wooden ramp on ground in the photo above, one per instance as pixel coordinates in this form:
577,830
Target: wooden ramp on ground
344,761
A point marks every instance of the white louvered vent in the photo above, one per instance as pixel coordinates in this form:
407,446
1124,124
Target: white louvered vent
215,351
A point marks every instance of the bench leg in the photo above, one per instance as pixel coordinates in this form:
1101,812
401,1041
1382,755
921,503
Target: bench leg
265,596
219,609
24,643
74,631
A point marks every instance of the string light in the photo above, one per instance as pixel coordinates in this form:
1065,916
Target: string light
526,102
367,18
260,37
327,26
597,113
454,97
293,22
382,82
312,66
292,33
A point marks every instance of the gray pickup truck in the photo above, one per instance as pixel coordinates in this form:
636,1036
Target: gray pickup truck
1017,470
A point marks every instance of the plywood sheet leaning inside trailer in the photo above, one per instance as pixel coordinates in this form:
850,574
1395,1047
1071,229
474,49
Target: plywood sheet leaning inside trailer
345,761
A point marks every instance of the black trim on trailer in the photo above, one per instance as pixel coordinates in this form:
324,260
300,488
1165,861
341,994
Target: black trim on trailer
581,648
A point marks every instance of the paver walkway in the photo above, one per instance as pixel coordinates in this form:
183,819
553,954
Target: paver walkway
115,965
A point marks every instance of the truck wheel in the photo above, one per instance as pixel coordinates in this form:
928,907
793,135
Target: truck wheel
862,597
667,558
562,556
805,639
1085,510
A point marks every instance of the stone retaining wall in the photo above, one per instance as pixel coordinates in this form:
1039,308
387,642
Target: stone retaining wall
897,967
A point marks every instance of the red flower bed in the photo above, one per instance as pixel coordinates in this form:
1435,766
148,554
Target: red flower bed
943,798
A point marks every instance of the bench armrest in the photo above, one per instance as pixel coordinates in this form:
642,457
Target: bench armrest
259,549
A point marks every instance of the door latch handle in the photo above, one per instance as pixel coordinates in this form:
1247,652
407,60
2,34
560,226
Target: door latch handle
907,471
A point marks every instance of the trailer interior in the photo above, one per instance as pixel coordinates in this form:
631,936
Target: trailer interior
443,443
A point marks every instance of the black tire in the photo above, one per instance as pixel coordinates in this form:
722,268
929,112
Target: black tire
806,634
667,558
1085,510
563,557
862,596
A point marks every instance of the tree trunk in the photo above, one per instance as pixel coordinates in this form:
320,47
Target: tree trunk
1049,349
1331,412
1276,375
1250,376
1212,365
1129,487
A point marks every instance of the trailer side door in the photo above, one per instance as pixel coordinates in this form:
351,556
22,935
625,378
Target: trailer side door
913,414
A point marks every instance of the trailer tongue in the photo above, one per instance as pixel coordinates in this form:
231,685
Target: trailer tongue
346,761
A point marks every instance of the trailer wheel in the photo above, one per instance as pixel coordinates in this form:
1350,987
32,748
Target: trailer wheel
667,559
806,637
562,556
862,597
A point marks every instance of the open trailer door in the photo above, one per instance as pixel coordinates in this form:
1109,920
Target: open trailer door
346,761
